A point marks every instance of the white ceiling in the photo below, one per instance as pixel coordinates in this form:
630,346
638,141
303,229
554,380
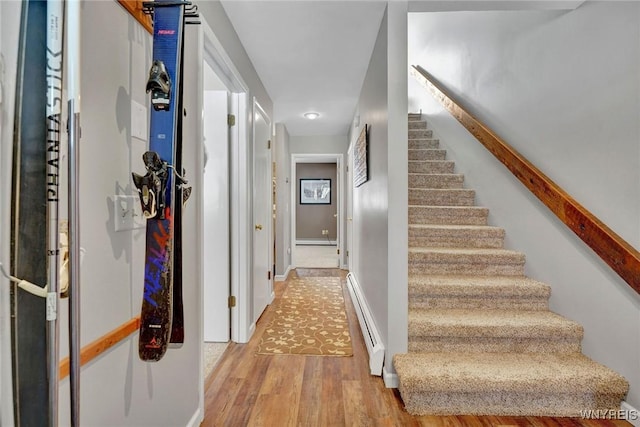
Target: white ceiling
313,55
310,56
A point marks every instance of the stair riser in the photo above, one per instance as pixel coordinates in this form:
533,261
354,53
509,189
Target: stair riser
428,154
420,133
493,345
451,242
430,167
424,144
417,124
463,263
480,269
495,302
430,197
506,403
436,181
462,216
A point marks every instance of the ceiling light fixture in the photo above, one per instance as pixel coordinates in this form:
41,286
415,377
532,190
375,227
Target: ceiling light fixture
311,116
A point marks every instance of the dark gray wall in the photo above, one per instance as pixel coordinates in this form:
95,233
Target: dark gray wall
312,219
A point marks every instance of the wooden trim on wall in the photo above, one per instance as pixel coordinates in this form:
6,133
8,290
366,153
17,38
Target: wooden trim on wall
102,344
134,7
623,258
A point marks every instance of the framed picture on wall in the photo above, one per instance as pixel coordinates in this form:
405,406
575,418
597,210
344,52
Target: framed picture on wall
361,158
315,191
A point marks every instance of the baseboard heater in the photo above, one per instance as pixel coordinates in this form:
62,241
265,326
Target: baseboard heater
367,325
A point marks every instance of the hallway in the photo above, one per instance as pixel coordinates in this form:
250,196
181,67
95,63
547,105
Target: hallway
316,256
247,389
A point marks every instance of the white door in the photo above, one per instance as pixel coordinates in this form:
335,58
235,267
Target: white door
262,280
216,217
349,188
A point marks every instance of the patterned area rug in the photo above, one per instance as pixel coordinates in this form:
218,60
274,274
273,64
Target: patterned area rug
310,319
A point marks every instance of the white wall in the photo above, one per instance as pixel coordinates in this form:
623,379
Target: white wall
283,190
319,144
397,158
217,18
380,205
117,388
371,200
562,88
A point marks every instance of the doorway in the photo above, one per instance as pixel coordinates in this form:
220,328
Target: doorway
222,183
317,236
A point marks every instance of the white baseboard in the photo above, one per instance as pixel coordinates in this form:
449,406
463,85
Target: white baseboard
633,414
316,242
390,378
196,419
370,333
283,277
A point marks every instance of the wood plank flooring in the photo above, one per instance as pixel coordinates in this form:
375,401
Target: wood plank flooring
248,389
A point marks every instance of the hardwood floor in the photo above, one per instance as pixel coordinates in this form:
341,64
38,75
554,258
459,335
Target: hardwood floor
248,389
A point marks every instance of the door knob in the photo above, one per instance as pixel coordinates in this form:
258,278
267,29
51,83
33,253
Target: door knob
258,226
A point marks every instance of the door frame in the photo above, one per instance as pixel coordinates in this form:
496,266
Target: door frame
240,208
211,51
338,159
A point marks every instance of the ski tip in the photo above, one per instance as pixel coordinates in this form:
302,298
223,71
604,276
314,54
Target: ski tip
151,356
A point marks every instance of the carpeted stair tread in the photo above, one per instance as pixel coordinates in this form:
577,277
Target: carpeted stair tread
564,372
480,261
444,235
477,292
420,133
417,124
466,255
492,323
430,167
506,384
427,154
436,180
424,144
460,215
476,286
441,196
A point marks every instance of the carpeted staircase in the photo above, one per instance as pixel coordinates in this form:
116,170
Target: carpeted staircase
482,340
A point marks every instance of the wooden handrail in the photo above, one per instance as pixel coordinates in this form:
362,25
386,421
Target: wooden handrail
134,7
623,258
102,344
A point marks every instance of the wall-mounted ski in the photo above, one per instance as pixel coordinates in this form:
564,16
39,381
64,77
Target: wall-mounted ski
158,187
28,219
